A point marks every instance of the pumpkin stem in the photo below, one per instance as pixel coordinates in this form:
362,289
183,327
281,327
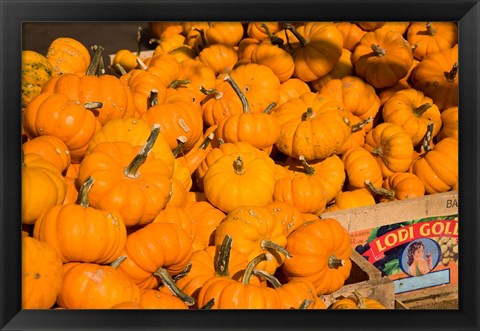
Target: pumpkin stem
153,41
131,171
97,55
273,39
252,264
421,109
238,91
292,29
238,166
209,304
141,64
360,302
334,263
425,146
212,92
93,105
139,38
270,278
378,151
82,198
390,194
183,273
308,168
120,69
223,258
305,304
308,114
119,260
168,282
203,42
360,125
379,51
270,107
153,98
450,76
178,82
270,245
430,29
181,142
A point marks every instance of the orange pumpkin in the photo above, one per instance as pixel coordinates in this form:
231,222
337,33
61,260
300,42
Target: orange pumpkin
81,233
207,218
361,165
68,55
325,260
155,299
382,58
292,88
50,148
370,26
343,68
287,214
437,77
431,37
399,186
42,274
43,186
351,199
352,34
356,302
219,57
276,58
261,30
449,119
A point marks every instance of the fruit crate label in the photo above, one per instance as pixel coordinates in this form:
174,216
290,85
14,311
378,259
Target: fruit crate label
415,254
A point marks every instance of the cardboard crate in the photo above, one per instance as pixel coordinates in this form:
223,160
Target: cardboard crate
367,281
383,234
443,297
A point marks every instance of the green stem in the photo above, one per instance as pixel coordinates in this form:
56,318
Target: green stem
182,140
206,141
270,245
430,29
270,107
425,147
292,29
168,282
334,263
120,69
273,39
209,304
360,125
115,264
238,166
270,278
153,98
141,64
177,83
252,264
183,273
390,194
82,198
131,171
308,114
139,38
421,109
452,75
308,168
223,258
212,92
305,304
93,105
203,44
97,55
379,51
238,91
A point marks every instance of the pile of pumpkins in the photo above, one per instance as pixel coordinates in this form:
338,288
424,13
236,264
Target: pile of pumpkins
196,177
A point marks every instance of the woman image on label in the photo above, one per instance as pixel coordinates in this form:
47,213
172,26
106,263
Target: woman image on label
418,262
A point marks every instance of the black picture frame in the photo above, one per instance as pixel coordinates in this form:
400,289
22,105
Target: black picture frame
14,12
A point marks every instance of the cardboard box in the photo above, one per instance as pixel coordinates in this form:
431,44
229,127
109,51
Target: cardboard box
387,234
367,281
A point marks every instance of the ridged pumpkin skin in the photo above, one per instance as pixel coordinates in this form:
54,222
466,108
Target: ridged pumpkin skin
80,233
406,108
155,299
180,216
249,226
391,145
343,68
42,274
431,37
319,50
356,96
219,57
229,33
276,58
352,34
370,26
116,98
134,131
68,55
43,186
95,286
361,165
240,179
320,252
292,88
449,119
356,302
137,196
389,61
430,78
170,248
50,148
55,115
207,218
36,70
438,168
288,215
257,29
405,185
294,292
311,125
